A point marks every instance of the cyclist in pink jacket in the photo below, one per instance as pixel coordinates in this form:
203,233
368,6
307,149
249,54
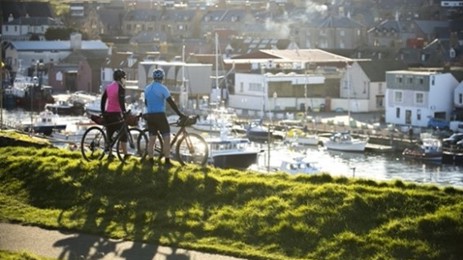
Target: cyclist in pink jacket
113,107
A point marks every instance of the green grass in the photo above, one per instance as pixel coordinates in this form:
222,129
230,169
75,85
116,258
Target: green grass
6,255
239,213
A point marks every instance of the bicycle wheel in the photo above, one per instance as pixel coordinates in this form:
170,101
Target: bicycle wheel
158,144
136,144
93,144
192,148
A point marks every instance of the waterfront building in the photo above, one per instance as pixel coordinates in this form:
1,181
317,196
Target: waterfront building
413,97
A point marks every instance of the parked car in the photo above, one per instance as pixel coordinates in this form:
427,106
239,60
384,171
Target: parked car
452,140
437,123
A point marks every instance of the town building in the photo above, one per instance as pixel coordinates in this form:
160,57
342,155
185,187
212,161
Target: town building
413,97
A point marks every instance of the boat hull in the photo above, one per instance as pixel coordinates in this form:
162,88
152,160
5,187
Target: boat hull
415,155
241,160
45,129
353,147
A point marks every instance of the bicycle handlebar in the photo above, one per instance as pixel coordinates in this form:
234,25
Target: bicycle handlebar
187,120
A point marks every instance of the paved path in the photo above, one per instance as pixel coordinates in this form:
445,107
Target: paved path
67,245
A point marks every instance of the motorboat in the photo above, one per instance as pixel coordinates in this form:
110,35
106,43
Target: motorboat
260,133
298,164
343,141
214,120
228,151
65,107
299,137
428,149
45,123
291,162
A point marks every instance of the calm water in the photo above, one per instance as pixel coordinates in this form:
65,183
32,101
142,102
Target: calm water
379,166
376,166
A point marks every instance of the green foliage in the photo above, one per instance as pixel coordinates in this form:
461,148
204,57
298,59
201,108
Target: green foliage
242,213
5,255
53,34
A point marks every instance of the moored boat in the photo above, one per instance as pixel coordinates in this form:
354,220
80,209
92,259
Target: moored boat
298,136
65,107
343,141
45,123
227,151
428,149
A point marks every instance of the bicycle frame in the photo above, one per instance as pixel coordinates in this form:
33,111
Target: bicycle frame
95,143
186,141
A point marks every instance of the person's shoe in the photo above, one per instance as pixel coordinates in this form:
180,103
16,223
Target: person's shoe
168,165
150,161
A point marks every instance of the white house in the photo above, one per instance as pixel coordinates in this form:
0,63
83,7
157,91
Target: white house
22,28
412,97
22,54
257,93
363,84
458,96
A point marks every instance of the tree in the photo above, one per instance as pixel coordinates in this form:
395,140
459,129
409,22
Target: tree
58,34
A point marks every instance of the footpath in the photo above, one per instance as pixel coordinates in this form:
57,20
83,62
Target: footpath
69,245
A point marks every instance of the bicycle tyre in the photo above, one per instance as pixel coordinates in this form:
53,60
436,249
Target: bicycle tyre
158,144
192,148
136,144
92,144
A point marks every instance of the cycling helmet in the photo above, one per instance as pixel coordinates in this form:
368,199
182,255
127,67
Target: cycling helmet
119,74
158,74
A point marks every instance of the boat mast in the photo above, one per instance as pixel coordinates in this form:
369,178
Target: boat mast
217,67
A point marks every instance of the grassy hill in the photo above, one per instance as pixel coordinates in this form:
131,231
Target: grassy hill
239,213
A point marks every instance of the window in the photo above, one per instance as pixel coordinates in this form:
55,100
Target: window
379,101
255,87
460,98
419,98
418,114
421,81
399,79
410,80
398,97
241,87
397,112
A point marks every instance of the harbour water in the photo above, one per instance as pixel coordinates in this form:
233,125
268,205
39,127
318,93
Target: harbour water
368,165
378,166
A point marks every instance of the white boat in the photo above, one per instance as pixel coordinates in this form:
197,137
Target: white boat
227,151
298,136
214,120
73,132
93,107
298,164
343,141
283,160
45,122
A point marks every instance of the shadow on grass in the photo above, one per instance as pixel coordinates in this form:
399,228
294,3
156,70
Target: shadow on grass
130,201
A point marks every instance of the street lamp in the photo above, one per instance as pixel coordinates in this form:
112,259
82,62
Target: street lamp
275,96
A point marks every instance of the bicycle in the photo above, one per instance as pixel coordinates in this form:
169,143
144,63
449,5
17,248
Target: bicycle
189,147
94,143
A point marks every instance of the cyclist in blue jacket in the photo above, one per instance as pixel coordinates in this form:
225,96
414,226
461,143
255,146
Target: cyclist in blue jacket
156,95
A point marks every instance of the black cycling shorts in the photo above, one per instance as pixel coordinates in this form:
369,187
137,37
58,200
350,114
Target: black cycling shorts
113,122
157,122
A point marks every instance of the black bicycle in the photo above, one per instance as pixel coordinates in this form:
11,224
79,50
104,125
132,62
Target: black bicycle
189,147
94,144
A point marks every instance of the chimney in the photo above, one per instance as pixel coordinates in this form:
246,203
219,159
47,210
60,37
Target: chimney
76,41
